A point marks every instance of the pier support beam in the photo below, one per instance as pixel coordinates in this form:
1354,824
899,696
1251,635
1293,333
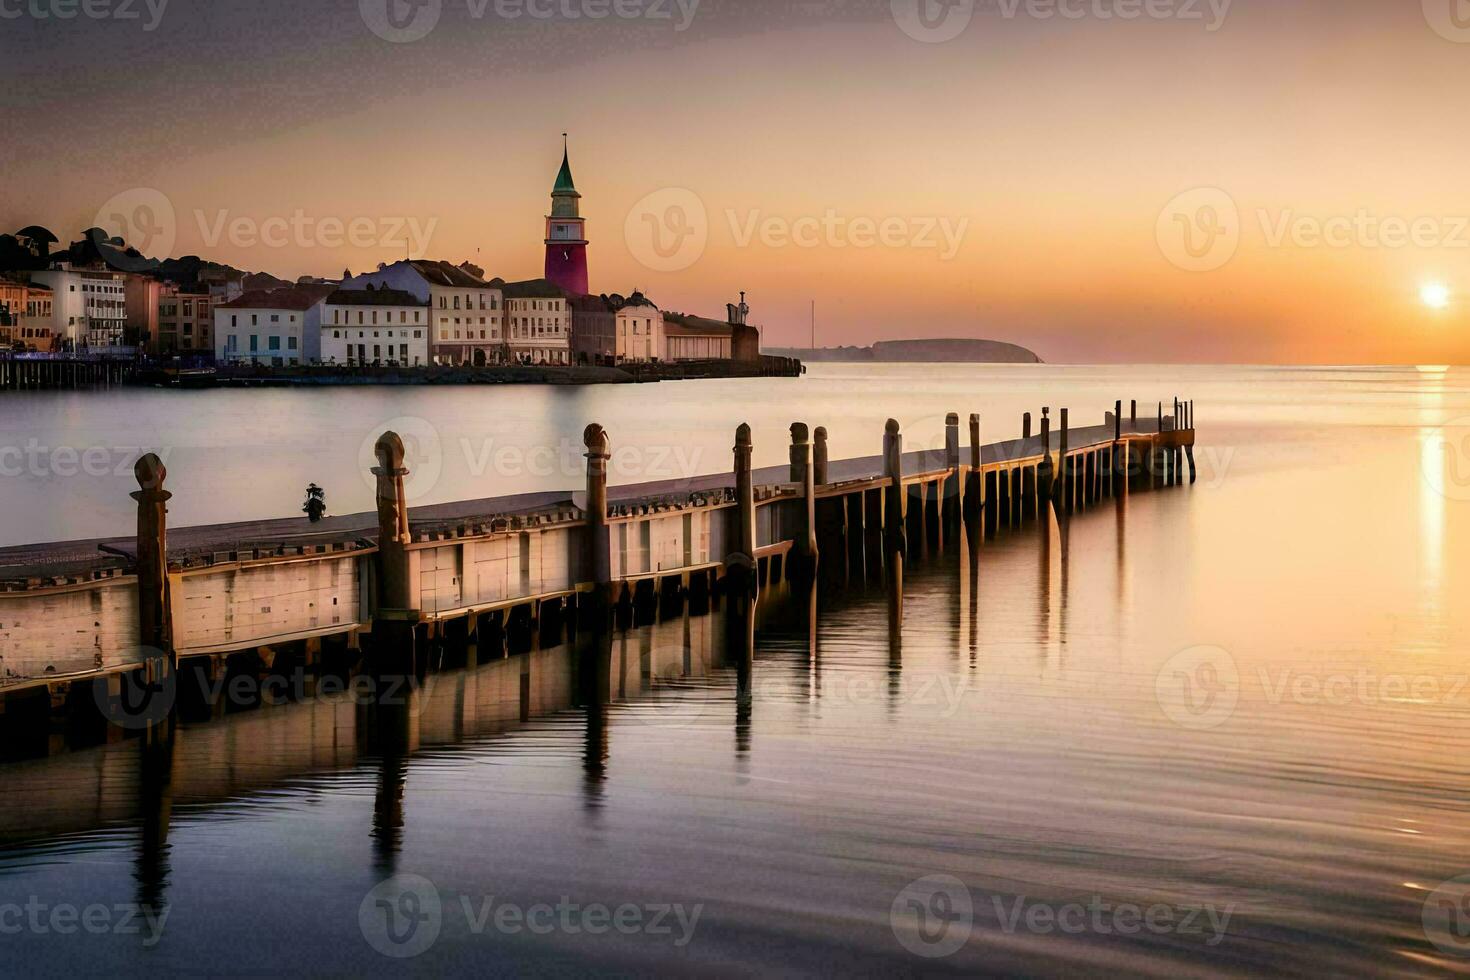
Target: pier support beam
805,551
740,565
819,456
593,613
975,484
155,628
895,533
393,631
949,503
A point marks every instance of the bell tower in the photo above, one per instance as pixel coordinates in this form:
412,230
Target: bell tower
566,232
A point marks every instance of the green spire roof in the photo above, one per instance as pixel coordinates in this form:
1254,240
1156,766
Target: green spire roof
564,184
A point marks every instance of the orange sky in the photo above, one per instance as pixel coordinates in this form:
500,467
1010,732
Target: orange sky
1047,148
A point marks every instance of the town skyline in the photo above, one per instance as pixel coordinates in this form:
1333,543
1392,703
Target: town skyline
1054,211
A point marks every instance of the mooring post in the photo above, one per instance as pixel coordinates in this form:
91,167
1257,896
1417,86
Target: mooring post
155,625
598,546
894,531
1064,467
949,505
802,476
394,620
741,564
975,486
1026,426
819,456
1045,474
1133,412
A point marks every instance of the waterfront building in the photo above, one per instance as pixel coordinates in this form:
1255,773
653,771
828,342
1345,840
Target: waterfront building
697,338
89,310
639,330
566,234
538,322
467,313
25,315
375,326
141,297
185,320
279,328
594,330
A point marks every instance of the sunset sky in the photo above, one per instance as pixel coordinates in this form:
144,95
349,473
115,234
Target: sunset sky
1020,181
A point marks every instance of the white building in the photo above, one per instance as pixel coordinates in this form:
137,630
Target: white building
466,313
538,322
277,328
90,305
639,331
375,326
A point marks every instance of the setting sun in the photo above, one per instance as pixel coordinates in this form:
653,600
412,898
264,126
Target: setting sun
1435,295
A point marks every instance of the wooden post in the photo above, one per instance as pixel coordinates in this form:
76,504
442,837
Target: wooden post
801,474
1065,481
975,488
949,503
394,589
894,531
1045,473
155,626
741,564
1026,426
819,456
1133,411
598,551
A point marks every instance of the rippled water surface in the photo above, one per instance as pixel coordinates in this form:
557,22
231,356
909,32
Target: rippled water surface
1220,729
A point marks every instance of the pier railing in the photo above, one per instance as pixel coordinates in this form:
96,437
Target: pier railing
398,579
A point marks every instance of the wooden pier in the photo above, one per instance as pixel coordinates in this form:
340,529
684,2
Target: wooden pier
61,372
82,621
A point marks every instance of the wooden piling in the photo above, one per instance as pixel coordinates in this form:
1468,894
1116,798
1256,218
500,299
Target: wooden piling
895,534
819,456
742,562
155,627
805,549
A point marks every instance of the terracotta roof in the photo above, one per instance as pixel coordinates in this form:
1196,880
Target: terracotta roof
535,289
446,274
290,298
676,324
373,297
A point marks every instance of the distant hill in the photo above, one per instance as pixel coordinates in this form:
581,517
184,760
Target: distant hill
917,352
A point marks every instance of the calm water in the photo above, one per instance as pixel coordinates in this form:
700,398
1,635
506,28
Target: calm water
1220,729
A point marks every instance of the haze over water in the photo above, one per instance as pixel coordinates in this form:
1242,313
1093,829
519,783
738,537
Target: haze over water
1247,697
